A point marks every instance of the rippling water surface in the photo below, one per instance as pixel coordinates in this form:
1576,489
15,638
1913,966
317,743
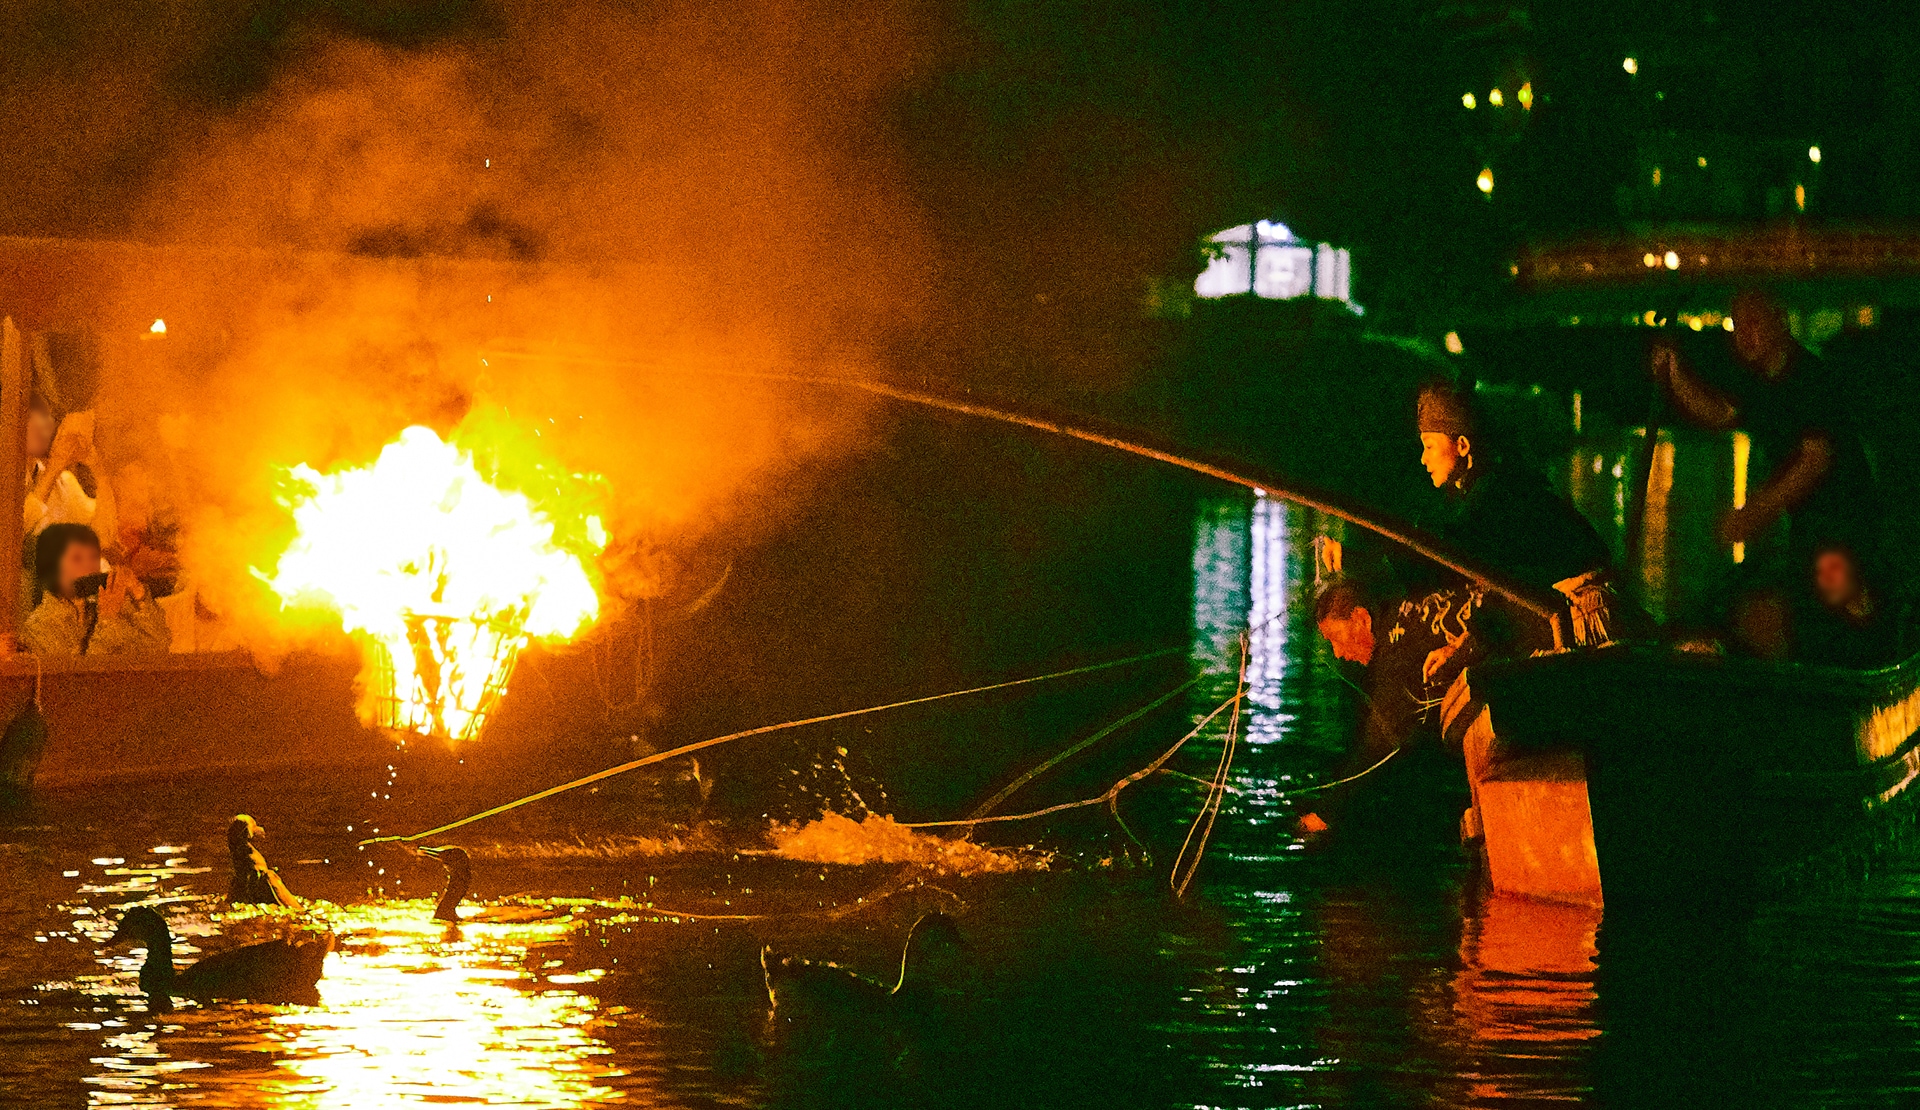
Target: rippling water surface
1283,978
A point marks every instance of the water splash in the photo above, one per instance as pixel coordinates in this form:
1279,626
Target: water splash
834,838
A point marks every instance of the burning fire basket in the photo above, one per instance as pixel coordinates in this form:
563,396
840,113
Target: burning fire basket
446,676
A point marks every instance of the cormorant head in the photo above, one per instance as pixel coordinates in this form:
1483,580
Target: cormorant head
459,877
934,957
242,831
452,857
144,924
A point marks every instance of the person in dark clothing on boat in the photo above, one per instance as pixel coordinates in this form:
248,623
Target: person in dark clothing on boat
1507,517
1401,696
1812,471
1812,459
1852,625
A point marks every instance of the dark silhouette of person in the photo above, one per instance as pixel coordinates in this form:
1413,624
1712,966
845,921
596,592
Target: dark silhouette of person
1814,464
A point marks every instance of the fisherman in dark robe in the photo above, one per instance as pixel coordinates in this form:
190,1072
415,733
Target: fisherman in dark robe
1402,698
1812,465
1507,518
1810,468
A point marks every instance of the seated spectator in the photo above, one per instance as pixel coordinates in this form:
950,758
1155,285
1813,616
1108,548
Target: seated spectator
1852,626
66,483
80,614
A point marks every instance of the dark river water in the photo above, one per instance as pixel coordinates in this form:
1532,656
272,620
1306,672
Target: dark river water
1282,978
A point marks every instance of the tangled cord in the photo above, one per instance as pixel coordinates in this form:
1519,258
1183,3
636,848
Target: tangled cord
685,749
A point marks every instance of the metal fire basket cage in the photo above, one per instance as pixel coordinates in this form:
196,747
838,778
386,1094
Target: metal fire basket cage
461,668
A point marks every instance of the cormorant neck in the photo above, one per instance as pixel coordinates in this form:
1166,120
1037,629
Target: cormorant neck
158,970
449,907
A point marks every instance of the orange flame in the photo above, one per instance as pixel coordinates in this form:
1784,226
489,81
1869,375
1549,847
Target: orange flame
444,575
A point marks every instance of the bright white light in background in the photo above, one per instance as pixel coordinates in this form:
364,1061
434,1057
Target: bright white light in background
1631,65
1267,260
1485,181
1494,98
1813,154
159,327
1672,260
1468,102
1454,346
1230,270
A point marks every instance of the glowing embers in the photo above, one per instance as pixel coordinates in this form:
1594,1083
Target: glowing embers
448,678
444,575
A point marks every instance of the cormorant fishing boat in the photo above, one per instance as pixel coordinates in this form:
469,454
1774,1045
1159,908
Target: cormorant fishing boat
1707,777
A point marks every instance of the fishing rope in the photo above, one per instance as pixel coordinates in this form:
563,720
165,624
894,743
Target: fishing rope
660,757
1108,795
1319,786
1101,734
1216,794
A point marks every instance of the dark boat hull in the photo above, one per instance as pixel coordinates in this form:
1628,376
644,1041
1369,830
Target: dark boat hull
1712,779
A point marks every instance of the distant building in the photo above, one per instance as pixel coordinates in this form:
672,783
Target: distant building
1267,260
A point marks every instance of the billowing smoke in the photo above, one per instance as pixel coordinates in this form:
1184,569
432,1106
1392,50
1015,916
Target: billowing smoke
381,214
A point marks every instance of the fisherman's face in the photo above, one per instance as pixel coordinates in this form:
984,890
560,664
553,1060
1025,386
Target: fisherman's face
1441,454
76,562
1759,334
1835,579
1351,636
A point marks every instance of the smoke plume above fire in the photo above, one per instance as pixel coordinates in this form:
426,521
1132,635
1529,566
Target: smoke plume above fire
403,213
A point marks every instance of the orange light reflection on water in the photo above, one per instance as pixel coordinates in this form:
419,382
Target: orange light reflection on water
409,1014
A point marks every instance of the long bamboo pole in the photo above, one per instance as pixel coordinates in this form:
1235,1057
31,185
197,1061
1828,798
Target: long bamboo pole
1234,473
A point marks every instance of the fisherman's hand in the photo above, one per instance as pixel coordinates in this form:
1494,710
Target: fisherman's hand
1663,362
1331,555
113,595
68,448
1439,657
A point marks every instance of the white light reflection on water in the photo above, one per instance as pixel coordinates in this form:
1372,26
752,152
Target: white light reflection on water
1244,583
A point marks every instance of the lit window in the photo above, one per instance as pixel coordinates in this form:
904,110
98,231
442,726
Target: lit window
1799,198
1454,346
1267,260
1229,270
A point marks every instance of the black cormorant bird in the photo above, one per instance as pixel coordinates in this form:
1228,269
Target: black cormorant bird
253,882
284,970
459,867
932,965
